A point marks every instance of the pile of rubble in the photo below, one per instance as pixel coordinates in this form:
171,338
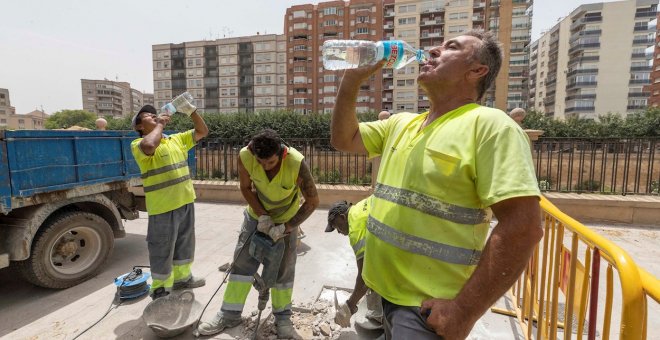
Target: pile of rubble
312,321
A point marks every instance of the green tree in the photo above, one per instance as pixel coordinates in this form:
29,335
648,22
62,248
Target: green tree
67,118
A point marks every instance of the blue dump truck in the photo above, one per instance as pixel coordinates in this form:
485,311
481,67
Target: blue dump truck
63,196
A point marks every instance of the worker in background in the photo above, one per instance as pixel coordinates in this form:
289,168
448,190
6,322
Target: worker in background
518,115
351,220
272,176
101,123
169,193
428,252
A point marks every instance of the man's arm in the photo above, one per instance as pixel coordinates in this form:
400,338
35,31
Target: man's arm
308,189
359,290
344,128
503,259
246,189
151,141
201,130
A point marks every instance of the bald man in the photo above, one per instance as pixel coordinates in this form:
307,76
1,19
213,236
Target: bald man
518,115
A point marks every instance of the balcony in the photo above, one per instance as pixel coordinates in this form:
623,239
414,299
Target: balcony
641,68
431,22
431,35
644,41
388,14
479,5
388,26
581,59
581,96
578,47
580,109
639,81
433,10
581,83
575,36
520,38
582,71
640,55
387,99
388,74
639,94
636,107
477,18
649,14
642,29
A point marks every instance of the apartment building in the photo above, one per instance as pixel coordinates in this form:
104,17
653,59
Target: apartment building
595,61
6,110
148,98
654,87
311,88
110,98
243,74
425,24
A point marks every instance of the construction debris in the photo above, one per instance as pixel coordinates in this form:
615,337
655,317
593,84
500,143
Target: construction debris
311,321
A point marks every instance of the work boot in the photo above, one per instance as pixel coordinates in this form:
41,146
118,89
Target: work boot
193,282
159,293
285,330
217,324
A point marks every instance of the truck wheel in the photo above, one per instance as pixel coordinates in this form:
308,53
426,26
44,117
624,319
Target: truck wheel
68,250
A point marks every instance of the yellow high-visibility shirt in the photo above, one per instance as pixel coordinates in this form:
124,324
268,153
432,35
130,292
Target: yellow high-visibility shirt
429,218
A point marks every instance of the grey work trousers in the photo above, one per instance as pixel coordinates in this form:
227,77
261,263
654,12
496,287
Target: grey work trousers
404,322
171,240
246,266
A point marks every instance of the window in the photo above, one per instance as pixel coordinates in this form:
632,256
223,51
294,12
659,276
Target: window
300,26
407,8
407,34
408,21
329,78
330,10
362,19
298,101
329,23
299,14
362,30
299,69
457,28
456,16
300,48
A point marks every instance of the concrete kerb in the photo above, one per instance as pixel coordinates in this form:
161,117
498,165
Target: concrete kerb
629,209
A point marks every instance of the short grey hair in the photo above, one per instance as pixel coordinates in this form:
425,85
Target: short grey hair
489,54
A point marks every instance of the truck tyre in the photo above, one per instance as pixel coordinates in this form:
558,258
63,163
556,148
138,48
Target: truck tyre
68,250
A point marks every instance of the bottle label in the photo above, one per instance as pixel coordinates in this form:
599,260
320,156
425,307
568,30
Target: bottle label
392,52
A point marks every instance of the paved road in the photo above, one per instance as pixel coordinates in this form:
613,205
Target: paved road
29,312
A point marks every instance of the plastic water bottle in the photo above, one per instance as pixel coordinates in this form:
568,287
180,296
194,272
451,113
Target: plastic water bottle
181,103
347,54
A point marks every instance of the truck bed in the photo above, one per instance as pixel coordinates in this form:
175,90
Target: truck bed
35,162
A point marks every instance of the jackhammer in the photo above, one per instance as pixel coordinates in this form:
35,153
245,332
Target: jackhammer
264,294
269,253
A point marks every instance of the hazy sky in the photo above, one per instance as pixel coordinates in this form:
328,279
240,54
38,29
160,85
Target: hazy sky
47,46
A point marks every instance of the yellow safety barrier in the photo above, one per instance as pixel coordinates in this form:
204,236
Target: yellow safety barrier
565,268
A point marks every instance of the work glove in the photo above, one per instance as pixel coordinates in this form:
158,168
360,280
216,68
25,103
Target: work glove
343,315
277,232
265,223
183,105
